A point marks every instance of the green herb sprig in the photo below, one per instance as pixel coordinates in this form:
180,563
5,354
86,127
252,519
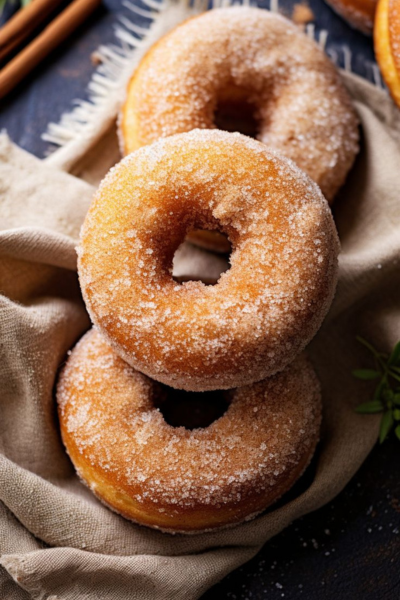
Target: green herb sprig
386,398
3,3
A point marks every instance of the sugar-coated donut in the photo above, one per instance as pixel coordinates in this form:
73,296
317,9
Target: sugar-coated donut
387,44
358,13
263,310
394,30
173,478
243,55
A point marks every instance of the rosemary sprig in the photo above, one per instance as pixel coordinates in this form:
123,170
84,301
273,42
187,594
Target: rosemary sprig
11,2
386,398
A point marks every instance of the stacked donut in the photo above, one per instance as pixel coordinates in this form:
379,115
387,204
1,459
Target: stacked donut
360,14
243,336
382,19
387,44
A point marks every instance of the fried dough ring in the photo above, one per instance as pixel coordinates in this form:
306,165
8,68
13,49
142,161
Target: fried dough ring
359,14
172,478
243,55
263,310
387,44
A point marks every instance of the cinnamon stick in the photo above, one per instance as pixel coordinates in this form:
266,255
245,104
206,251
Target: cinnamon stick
51,37
24,23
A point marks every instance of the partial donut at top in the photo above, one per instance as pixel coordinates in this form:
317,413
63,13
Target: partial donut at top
387,44
263,310
358,13
239,56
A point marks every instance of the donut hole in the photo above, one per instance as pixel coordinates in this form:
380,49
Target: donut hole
192,410
235,112
203,256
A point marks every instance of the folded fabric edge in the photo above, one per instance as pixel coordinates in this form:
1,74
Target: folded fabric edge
36,244
374,97
89,571
10,588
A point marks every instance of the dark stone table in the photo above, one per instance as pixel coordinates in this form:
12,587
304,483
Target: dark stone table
350,549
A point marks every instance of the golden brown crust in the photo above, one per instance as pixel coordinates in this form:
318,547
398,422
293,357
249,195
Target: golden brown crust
301,106
263,310
172,478
358,13
384,44
394,31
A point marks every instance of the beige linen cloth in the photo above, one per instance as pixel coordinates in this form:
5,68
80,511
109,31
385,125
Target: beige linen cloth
56,540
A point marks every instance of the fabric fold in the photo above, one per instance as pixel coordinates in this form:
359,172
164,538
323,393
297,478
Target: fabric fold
39,245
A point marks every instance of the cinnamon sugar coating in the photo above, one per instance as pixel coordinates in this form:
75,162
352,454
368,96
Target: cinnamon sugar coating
263,310
238,54
394,31
384,45
358,13
173,478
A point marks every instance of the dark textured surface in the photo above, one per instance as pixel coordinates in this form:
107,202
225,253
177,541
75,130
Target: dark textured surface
350,549
347,550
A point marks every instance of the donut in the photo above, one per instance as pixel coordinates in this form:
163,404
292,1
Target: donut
262,311
394,30
173,478
387,44
246,59
358,13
